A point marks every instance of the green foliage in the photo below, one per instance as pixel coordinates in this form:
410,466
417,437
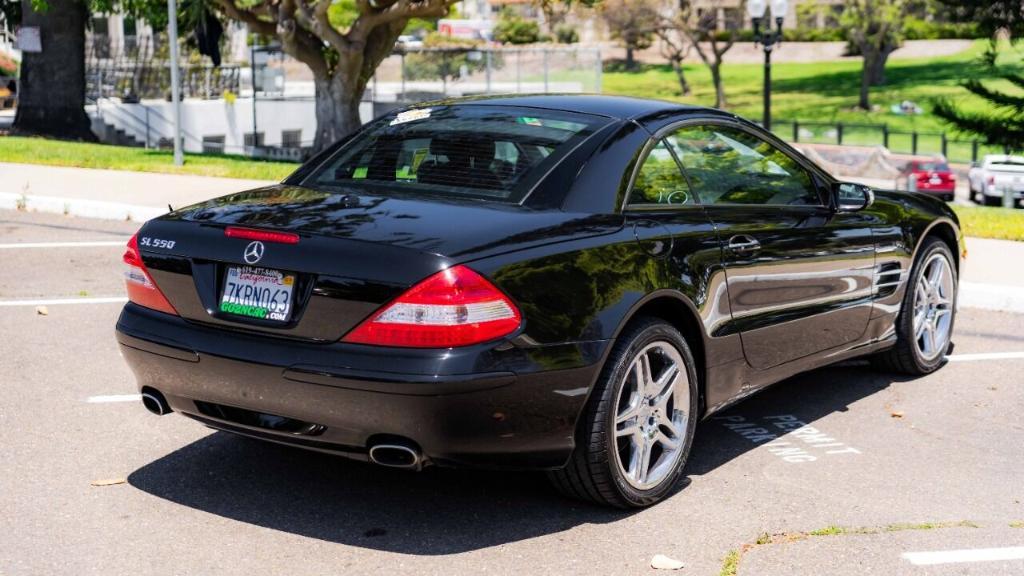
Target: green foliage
567,35
445,58
632,22
919,29
1001,121
342,13
514,29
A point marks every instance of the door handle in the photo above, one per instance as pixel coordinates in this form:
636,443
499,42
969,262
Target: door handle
743,244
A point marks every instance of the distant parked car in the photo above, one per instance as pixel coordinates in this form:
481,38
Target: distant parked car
931,176
409,42
996,175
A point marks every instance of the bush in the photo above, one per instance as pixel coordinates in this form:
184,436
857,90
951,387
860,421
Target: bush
566,35
512,29
917,29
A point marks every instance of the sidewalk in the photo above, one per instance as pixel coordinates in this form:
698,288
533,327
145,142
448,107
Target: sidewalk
109,194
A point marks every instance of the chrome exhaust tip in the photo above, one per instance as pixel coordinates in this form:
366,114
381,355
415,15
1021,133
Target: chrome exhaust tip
396,456
155,402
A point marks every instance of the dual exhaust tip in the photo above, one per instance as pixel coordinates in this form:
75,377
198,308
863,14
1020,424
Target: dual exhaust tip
396,456
392,455
155,402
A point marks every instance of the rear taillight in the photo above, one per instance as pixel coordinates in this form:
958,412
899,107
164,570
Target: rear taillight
991,180
139,284
455,307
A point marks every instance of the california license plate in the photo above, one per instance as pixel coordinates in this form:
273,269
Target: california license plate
259,293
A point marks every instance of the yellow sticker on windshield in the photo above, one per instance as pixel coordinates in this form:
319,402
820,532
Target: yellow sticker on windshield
417,158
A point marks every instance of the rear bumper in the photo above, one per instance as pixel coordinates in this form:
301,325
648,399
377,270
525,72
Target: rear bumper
510,411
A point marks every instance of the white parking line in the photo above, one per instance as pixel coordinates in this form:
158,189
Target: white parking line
985,356
91,244
114,398
961,556
58,301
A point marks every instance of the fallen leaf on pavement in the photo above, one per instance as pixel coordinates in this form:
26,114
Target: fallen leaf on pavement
896,413
42,310
660,562
109,482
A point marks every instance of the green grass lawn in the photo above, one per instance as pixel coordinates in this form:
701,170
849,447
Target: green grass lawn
828,92
987,222
84,155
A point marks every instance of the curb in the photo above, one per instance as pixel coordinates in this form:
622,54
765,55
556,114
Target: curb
999,297
79,207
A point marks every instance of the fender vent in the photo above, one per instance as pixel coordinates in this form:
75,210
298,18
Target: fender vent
887,278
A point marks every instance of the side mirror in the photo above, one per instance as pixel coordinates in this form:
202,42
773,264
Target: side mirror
850,197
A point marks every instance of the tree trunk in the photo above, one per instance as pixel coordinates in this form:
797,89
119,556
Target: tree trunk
877,72
684,86
630,62
51,94
865,78
337,110
716,79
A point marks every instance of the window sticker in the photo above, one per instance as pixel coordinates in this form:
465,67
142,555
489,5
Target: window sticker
360,172
411,115
529,121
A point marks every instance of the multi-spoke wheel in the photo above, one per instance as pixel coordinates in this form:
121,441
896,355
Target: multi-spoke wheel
925,324
933,307
638,427
651,415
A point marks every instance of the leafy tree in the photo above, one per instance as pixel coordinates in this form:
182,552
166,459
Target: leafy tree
675,47
446,59
875,27
711,44
633,23
342,50
514,29
1002,120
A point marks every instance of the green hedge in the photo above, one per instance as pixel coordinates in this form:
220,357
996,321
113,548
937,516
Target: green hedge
914,29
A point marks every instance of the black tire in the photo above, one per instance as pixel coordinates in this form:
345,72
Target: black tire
904,357
592,472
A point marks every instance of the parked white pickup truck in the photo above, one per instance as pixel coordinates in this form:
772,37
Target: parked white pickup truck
995,176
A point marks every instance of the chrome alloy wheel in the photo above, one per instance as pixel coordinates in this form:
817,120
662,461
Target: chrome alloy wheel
933,307
651,415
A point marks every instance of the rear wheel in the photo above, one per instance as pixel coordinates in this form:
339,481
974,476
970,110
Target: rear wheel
636,432
925,323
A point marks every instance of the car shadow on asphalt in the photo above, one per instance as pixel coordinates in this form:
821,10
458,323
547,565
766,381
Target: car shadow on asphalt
438,511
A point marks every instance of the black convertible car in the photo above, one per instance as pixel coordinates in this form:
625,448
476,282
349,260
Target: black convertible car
566,283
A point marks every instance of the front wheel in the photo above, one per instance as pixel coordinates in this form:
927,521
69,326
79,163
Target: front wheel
636,432
924,326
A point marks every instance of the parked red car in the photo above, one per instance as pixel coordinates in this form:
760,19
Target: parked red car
931,176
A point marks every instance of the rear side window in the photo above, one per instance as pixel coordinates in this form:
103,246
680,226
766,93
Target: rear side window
729,166
481,151
659,180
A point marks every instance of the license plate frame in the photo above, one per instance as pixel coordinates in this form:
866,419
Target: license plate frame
257,293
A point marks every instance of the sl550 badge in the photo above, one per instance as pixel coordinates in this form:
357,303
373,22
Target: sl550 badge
156,243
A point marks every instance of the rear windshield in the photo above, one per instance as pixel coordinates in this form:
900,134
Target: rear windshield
933,166
489,152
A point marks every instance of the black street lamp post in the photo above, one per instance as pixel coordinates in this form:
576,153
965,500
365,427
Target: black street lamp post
768,38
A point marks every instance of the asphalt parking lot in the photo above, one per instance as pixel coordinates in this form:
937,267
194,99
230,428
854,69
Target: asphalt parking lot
841,471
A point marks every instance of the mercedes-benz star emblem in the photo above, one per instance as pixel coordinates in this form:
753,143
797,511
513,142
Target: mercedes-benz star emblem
253,252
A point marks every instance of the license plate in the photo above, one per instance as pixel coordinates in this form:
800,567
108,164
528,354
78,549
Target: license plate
935,180
259,293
